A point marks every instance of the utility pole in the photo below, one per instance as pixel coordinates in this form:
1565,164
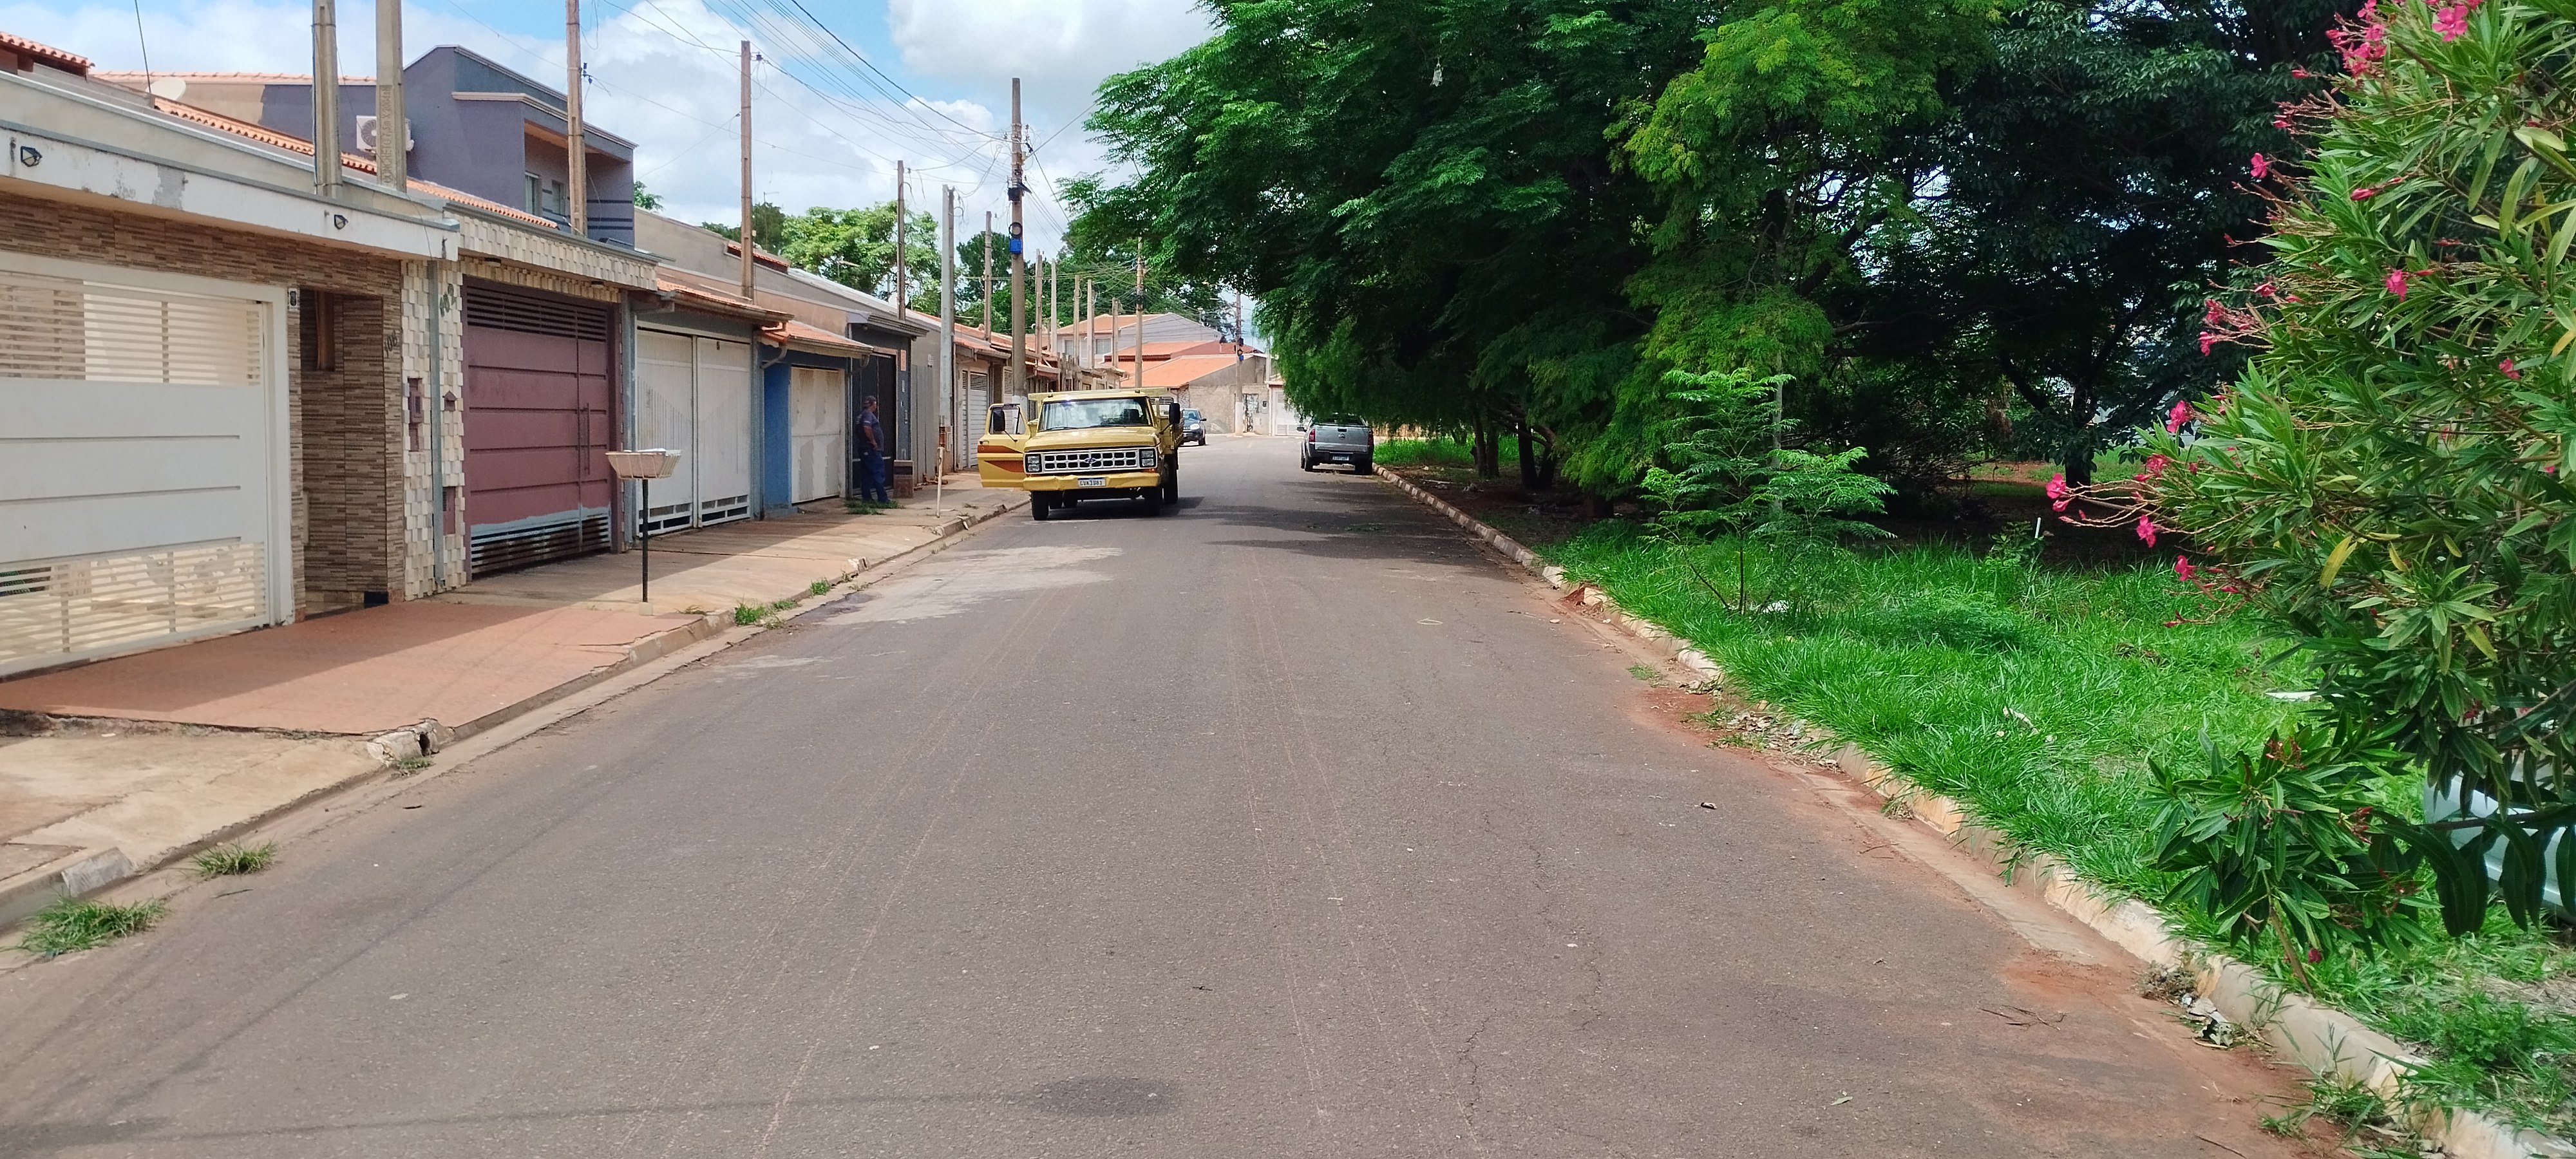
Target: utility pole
1140,313
393,166
1019,380
898,239
1088,289
948,315
576,161
986,286
326,99
746,171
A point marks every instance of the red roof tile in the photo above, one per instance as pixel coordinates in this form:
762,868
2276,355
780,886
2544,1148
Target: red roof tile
47,53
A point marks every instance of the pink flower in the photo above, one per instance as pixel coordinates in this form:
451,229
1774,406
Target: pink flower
2267,290
2364,193
2147,530
2175,418
2300,73
2057,492
2397,283
2452,22
2207,340
2183,568
2261,167
2509,372
2156,465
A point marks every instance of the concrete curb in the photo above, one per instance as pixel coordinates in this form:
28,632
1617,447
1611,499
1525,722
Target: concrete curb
2322,1039
92,870
87,871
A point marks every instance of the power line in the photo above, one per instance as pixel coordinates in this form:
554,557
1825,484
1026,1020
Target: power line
871,67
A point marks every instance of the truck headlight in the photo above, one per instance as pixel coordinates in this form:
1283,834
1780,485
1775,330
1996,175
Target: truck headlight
1145,458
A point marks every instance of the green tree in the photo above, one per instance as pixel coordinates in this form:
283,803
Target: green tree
646,199
1417,192
2091,179
855,247
768,227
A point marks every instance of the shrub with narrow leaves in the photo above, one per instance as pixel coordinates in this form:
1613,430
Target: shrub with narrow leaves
2388,480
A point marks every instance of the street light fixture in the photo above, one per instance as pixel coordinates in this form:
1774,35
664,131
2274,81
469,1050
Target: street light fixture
644,466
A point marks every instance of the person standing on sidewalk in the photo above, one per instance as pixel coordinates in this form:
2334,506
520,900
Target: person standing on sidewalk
872,460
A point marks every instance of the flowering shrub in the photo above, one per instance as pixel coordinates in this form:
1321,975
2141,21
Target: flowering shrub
2387,480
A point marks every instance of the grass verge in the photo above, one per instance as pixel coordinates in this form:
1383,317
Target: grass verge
72,924
2036,695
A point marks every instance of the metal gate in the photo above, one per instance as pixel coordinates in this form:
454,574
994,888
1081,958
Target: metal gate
694,396
818,403
143,486
538,426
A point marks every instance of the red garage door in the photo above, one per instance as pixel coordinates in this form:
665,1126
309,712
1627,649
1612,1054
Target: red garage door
537,427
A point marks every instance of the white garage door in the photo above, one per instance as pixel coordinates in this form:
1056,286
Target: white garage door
694,397
818,409
142,480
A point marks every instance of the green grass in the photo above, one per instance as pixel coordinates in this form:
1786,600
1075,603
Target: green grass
2035,696
818,587
229,858
745,615
70,925
1443,451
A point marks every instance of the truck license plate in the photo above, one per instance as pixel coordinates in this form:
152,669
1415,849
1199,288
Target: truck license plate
1092,481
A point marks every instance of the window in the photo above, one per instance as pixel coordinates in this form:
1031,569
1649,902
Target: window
536,194
1074,414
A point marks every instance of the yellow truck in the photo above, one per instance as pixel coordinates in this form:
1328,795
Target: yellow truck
1072,445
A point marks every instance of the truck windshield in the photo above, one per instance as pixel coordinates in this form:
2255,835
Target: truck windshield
1074,414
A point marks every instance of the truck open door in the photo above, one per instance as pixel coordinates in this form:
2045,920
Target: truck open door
997,451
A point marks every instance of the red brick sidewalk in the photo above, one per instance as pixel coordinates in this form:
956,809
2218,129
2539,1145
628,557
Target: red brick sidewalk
359,673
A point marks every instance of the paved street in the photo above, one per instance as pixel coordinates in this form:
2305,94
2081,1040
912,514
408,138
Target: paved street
1287,824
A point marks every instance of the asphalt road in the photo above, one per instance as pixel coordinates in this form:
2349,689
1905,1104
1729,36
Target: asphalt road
1287,824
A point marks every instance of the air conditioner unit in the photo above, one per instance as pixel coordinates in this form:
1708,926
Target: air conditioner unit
367,136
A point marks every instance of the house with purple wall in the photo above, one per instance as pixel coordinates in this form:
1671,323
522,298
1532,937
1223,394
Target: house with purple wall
476,127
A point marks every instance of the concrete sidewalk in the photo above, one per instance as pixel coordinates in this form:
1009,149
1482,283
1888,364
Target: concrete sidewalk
116,767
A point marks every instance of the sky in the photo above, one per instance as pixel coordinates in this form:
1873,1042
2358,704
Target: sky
844,90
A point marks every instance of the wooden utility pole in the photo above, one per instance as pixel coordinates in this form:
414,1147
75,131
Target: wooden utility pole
746,171
326,99
948,318
986,286
898,239
576,160
393,166
1087,290
1140,313
1019,379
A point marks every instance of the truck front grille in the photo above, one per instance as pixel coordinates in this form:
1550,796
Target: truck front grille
1086,462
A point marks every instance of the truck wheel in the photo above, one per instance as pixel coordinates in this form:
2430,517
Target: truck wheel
1363,465
1038,505
1172,487
1153,497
